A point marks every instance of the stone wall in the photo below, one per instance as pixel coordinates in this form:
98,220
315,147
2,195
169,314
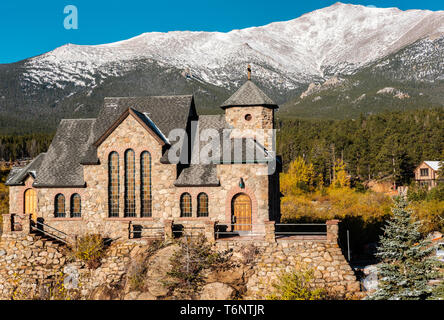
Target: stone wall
27,264
330,268
248,121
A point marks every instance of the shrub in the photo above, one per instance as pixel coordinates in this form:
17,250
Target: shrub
431,215
436,193
296,285
90,249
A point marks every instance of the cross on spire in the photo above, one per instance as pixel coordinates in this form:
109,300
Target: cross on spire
249,72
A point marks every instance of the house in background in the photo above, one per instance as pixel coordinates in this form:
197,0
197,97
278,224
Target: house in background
426,174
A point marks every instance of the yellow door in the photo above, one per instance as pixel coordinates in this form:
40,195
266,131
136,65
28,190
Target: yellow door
241,208
31,203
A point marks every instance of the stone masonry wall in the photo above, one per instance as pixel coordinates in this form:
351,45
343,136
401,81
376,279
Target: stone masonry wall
258,118
27,263
325,258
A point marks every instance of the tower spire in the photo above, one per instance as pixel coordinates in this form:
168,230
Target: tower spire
249,72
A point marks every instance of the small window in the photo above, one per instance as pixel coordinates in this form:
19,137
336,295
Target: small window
202,205
424,172
185,205
76,206
248,117
59,206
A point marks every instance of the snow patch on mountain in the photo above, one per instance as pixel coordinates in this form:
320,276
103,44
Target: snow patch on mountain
335,40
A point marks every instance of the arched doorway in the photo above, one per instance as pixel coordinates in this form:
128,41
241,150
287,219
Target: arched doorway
31,203
241,212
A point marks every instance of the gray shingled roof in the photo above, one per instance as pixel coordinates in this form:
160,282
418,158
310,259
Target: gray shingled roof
249,95
61,165
17,175
166,112
198,175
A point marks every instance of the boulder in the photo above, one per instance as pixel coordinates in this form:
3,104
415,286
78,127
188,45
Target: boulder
216,291
159,265
146,296
132,295
231,276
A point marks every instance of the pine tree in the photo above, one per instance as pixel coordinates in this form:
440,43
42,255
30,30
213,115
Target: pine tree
407,262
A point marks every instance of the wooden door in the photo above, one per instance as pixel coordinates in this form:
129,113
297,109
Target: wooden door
31,203
241,211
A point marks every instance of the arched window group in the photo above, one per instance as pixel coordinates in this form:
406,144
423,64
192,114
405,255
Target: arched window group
60,206
129,184
186,209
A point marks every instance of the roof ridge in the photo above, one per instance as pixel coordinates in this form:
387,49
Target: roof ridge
249,94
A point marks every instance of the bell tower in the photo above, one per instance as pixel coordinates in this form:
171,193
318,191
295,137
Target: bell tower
251,112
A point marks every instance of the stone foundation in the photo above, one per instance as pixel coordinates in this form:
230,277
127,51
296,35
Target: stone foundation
325,258
27,263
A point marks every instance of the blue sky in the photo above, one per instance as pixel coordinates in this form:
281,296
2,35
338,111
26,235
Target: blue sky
29,28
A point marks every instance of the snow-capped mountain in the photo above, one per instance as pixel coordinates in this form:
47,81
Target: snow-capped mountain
341,40
336,39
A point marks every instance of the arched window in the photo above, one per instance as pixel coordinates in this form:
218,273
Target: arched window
113,184
185,205
145,185
202,205
59,206
76,206
130,184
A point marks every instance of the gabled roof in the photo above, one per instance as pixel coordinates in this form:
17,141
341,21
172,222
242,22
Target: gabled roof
165,112
249,95
17,176
433,164
61,165
143,119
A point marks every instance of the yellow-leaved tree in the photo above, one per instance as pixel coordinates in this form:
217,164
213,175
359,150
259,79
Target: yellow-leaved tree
341,177
299,178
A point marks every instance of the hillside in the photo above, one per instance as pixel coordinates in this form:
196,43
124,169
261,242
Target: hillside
409,79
